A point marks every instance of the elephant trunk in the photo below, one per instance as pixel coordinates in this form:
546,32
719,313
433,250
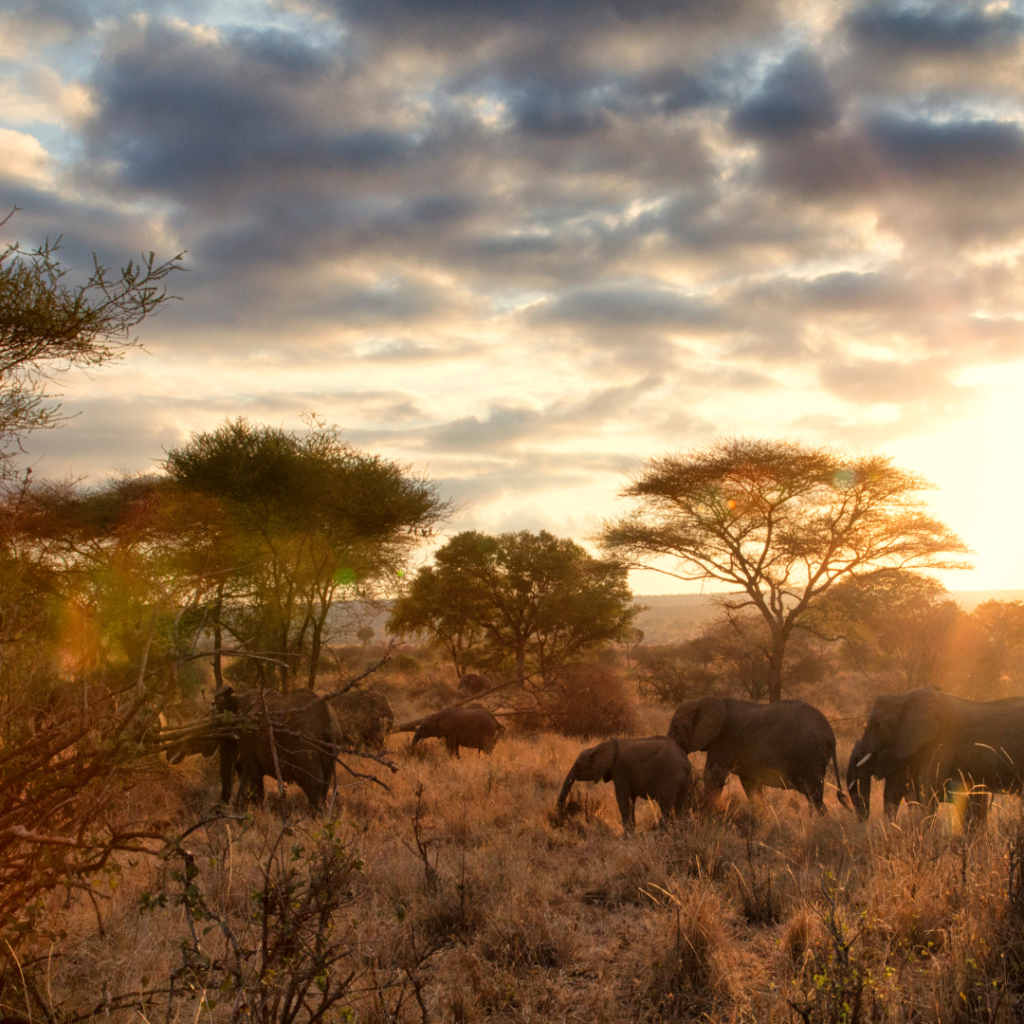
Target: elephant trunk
566,786
858,785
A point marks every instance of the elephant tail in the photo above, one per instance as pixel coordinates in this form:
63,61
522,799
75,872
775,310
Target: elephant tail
840,795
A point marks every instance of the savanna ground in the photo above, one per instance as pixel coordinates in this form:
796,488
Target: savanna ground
459,895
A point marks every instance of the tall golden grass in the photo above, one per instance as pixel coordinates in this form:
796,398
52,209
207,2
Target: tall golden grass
474,901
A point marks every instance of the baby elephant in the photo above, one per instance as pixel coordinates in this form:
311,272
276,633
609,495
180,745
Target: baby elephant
654,767
461,727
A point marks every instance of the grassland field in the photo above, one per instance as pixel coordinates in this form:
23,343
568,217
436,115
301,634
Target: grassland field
750,912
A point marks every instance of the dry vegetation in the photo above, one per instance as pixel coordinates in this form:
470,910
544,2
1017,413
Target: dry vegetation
459,895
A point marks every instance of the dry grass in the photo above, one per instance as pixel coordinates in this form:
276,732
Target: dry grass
506,911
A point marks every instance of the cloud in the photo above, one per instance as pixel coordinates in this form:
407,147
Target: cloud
934,29
960,150
873,381
635,305
522,242
192,115
26,24
23,159
794,97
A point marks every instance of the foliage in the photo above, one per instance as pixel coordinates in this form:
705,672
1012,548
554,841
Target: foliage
48,328
584,699
780,521
67,756
534,600
310,519
442,603
670,673
99,598
892,622
303,960
986,656
732,655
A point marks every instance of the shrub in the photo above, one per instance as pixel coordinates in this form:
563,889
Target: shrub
587,700
682,970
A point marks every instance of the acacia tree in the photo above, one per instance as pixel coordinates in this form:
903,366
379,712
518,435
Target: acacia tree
312,518
530,598
48,327
781,521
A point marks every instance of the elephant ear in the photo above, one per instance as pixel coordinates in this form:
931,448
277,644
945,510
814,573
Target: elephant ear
919,724
609,753
707,722
597,762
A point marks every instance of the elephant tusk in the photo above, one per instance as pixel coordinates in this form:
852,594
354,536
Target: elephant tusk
864,760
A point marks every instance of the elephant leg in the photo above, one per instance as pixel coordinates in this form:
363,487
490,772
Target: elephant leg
452,743
978,802
250,786
896,788
627,809
668,803
814,790
714,782
751,787
228,759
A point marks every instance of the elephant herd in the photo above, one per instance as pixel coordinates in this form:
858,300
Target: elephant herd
297,737
925,745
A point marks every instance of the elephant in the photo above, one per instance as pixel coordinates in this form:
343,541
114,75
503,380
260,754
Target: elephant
305,741
786,745
365,718
654,767
898,784
947,745
461,727
208,740
473,683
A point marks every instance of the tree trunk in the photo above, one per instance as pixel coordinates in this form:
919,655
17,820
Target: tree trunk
314,652
520,658
775,669
217,676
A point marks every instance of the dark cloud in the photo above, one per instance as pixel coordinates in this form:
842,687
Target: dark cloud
504,12
795,97
942,28
545,111
952,149
185,116
51,16
625,305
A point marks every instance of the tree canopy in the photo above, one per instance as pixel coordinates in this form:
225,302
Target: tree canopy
780,521
530,599
48,327
307,518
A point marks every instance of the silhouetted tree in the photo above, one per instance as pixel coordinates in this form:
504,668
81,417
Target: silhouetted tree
781,521
48,328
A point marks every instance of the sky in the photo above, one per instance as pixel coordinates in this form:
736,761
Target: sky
521,245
